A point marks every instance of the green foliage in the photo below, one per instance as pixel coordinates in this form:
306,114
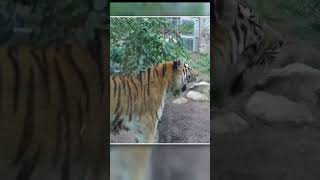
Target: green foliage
202,64
138,42
158,9
187,28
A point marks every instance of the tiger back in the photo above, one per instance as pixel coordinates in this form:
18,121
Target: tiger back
240,41
137,101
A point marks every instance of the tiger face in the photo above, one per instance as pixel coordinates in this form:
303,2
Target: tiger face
183,75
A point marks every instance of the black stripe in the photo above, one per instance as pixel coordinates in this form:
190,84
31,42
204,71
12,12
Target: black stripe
236,32
12,51
82,130
1,87
148,92
130,101
66,119
114,86
123,83
118,100
45,62
43,71
140,79
65,169
137,92
28,165
135,86
58,145
153,73
28,123
245,32
117,123
144,98
80,75
157,73
164,68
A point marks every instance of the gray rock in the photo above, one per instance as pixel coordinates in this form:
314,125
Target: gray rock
277,109
297,81
196,96
180,100
228,123
202,87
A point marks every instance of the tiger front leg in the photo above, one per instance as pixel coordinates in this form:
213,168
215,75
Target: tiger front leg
147,132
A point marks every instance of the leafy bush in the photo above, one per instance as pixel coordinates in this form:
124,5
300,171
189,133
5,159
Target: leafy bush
138,42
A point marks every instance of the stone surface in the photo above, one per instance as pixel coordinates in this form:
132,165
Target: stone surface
196,96
277,109
297,81
180,100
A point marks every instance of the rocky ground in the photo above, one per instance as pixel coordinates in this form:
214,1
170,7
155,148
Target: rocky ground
272,130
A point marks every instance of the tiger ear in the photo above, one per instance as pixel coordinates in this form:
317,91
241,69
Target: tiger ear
176,64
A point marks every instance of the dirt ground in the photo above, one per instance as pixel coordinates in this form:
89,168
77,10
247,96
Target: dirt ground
185,123
268,152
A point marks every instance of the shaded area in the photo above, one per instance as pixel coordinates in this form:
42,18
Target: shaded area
266,152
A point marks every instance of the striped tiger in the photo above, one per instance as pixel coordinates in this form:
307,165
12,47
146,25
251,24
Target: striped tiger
240,41
52,113
137,101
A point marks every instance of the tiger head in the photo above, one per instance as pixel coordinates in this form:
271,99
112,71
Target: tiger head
182,76
255,39
263,42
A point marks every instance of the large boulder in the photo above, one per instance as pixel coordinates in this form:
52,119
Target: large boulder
277,109
297,81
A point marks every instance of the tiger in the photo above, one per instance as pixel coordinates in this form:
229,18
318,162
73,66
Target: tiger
52,113
137,101
240,41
